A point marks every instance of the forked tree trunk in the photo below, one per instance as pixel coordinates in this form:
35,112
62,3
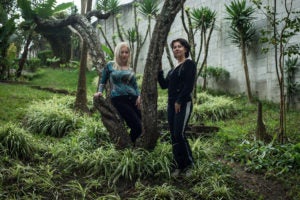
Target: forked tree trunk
149,85
109,116
261,133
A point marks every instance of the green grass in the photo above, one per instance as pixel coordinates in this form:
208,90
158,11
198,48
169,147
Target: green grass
63,79
14,99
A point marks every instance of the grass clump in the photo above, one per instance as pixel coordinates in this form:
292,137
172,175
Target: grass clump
213,108
16,142
164,191
52,117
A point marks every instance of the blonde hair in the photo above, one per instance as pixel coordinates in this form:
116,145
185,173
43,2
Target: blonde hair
117,53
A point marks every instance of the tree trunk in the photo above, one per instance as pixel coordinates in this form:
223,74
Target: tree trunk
282,95
81,99
149,86
113,123
261,133
3,67
244,59
59,39
24,55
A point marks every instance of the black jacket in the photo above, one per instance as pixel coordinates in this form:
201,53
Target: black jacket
179,81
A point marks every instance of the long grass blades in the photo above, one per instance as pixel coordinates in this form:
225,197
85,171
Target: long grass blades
52,117
16,142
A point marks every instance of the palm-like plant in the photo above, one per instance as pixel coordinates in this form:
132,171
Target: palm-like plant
131,36
44,10
203,19
111,6
242,31
149,8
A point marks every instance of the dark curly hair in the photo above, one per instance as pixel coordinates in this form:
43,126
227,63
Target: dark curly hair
184,43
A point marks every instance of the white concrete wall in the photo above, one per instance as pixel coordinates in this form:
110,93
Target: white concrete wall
222,52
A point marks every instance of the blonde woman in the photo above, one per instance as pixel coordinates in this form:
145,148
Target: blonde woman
124,92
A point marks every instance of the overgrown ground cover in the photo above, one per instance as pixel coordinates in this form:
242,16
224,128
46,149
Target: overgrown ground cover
50,152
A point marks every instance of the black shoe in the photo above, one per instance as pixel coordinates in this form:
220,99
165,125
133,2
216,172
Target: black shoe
176,173
188,171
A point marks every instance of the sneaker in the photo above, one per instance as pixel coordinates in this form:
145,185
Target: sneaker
176,173
188,173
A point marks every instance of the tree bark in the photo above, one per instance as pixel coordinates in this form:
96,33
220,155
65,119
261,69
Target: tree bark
244,58
113,123
81,95
149,86
260,126
60,41
24,55
82,25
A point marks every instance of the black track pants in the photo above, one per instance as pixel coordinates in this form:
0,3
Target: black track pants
177,123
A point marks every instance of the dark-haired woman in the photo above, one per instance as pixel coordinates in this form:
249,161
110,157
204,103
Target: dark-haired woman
180,82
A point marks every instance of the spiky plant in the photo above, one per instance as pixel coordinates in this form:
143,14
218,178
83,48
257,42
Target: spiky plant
149,8
16,142
213,108
164,191
242,32
52,117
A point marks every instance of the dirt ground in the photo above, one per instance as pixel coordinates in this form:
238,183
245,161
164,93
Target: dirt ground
266,189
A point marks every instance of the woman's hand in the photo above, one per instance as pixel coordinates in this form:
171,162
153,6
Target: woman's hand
160,66
177,107
138,102
98,94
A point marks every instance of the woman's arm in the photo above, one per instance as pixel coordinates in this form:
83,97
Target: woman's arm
104,77
163,82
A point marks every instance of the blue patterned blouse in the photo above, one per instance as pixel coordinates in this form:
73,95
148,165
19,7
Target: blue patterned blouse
122,82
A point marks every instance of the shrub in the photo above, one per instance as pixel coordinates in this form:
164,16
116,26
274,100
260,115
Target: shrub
33,64
271,158
164,191
218,73
213,108
43,55
16,142
52,117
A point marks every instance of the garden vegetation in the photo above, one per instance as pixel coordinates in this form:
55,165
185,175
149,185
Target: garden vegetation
49,151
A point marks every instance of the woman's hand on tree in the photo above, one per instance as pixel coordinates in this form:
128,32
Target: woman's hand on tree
98,94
